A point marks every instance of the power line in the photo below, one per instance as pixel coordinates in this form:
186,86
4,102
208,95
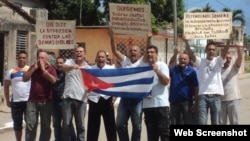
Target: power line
222,4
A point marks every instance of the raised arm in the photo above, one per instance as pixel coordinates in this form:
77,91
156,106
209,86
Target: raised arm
223,54
239,55
173,60
116,52
145,53
189,51
28,74
66,67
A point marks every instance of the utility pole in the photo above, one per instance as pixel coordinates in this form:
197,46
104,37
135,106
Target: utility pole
80,14
175,24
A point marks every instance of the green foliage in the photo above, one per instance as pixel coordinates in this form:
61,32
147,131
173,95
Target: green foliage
247,58
237,15
207,8
70,10
169,8
162,11
163,25
246,41
247,70
180,28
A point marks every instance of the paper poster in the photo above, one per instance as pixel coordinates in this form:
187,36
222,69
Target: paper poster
55,34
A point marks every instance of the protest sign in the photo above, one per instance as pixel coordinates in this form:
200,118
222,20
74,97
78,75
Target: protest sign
55,34
208,25
130,18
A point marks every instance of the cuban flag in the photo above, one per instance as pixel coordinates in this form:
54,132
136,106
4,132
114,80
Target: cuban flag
121,82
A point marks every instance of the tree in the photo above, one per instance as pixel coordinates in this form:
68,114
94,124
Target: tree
169,8
207,8
162,11
237,15
70,10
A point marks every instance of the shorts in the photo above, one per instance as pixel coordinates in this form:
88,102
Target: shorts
18,110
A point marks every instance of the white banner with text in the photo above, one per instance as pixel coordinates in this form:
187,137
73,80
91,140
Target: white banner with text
130,18
208,25
55,34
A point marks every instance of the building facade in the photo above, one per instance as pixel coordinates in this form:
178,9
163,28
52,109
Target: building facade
17,30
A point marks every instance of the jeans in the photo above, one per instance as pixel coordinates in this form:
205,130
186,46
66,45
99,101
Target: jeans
230,110
157,123
181,113
212,103
57,122
129,108
32,114
77,109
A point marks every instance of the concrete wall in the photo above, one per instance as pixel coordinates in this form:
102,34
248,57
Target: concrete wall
10,23
95,39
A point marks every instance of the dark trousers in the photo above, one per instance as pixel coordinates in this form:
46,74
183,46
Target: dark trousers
157,123
181,113
57,122
105,109
18,110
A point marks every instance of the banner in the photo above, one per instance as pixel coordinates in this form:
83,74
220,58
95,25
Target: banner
55,34
208,25
130,18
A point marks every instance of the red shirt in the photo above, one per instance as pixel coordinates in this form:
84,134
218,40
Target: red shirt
41,88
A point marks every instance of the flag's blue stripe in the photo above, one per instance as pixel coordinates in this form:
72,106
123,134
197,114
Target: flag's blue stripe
118,71
135,82
123,94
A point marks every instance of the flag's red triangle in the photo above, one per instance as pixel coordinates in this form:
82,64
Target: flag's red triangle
92,82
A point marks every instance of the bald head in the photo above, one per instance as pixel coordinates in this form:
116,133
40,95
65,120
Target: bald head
183,60
134,53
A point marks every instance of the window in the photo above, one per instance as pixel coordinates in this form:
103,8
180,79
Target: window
21,41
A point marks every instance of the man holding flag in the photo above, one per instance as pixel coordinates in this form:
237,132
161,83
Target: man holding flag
156,105
128,107
75,95
103,81
101,105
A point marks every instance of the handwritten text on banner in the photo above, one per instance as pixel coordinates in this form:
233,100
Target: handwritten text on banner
55,34
130,18
208,25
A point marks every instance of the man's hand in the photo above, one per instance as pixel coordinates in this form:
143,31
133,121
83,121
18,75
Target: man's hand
8,103
177,50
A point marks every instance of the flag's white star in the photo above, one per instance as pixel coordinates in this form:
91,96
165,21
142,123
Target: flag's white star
94,85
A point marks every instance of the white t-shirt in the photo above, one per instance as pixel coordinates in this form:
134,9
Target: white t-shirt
126,63
74,83
230,83
20,89
160,92
210,75
95,96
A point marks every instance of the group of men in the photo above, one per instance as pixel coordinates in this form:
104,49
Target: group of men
59,91
42,90
202,85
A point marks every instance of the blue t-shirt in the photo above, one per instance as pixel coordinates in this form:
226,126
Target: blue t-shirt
182,83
